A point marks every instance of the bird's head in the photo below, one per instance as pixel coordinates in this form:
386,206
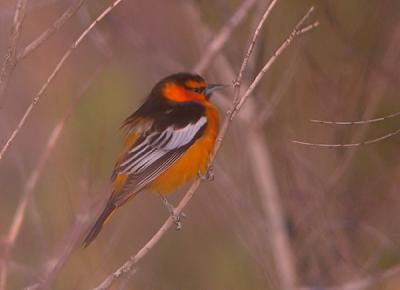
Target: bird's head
186,87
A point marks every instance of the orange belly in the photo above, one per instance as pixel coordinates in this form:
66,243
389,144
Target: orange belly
192,162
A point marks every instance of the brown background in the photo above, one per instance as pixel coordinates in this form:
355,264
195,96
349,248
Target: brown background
341,206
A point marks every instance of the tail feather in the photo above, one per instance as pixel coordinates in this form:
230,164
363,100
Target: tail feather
101,220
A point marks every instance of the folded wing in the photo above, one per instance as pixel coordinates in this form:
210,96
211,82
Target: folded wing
154,152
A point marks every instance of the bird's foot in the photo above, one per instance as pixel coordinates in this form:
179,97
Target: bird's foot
209,176
177,218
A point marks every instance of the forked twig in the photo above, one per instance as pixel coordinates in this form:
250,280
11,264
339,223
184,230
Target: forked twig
52,75
129,265
297,31
251,47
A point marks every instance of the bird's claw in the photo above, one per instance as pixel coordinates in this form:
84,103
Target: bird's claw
209,176
177,218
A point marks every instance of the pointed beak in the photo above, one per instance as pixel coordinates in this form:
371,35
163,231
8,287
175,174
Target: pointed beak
211,88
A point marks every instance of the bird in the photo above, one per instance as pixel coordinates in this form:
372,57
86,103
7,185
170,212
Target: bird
168,142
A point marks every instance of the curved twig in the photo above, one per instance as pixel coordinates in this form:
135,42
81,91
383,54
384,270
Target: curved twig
367,142
360,122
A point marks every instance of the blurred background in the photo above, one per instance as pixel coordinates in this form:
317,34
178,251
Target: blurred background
277,215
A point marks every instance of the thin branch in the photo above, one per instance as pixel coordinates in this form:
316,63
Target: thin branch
370,141
253,41
52,75
369,121
297,31
224,34
238,80
129,265
10,59
51,30
32,180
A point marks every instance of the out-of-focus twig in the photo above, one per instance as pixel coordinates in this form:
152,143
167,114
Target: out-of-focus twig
51,30
265,180
367,142
360,122
67,246
10,59
129,265
53,74
224,34
363,283
30,185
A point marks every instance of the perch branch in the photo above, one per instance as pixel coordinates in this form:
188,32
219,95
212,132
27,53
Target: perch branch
129,265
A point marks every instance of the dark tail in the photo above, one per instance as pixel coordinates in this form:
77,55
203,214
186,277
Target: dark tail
101,220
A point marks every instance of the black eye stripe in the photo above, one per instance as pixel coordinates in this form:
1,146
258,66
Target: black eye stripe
198,90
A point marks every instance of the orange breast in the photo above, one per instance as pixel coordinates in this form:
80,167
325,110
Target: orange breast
193,161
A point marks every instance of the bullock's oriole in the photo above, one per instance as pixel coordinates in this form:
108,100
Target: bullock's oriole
168,142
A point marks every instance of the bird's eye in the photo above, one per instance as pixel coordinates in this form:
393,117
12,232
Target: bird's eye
198,90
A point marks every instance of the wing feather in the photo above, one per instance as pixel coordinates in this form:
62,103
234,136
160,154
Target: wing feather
153,153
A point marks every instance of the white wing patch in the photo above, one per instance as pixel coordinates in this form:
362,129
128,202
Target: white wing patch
158,144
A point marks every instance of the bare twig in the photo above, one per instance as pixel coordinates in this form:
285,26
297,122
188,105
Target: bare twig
51,30
224,34
296,32
52,75
10,58
237,82
370,141
129,265
360,122
30,185
251,47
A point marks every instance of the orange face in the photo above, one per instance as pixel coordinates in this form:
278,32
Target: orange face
191,91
